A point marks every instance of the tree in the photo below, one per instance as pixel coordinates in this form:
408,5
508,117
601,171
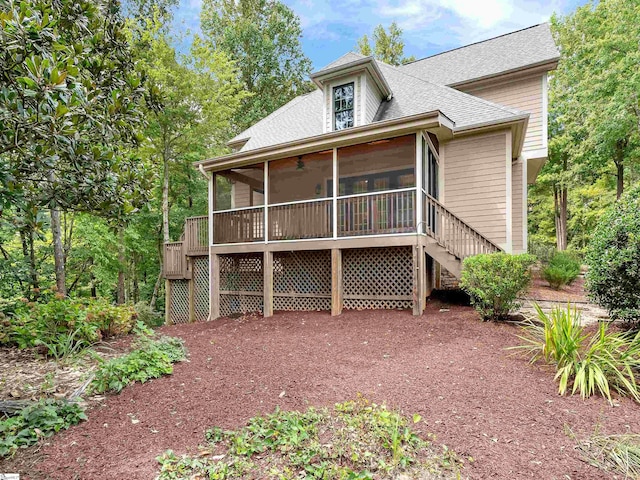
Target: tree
69,104
263,38
387,47
598,73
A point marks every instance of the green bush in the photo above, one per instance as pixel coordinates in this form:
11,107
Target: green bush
562,269
494,282
148,316
613,257
606,361
151,359
40,420
63,326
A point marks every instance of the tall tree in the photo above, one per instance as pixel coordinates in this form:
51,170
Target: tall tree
69,102
388,46
263,38
599,72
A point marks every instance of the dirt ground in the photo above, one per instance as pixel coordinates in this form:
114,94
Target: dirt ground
446,365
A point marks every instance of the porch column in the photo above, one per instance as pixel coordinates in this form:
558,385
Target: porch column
192,297
419,176
267,268
418,279
167,302
214,286
336,281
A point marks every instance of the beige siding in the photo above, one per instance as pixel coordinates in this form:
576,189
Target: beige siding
524,94
241,195
517,207
475,170
373,100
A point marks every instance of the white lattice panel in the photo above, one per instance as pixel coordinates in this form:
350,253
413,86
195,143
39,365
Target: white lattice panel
302,280
179,301
201,288
241,283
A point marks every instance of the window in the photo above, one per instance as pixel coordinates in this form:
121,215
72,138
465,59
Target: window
343,106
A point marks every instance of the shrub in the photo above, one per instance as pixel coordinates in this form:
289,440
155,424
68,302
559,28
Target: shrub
146,314
152,359
607,361
39,420
613,278
562,269
494,282
63,326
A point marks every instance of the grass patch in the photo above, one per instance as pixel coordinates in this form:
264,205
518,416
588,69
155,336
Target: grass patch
37,421
354,440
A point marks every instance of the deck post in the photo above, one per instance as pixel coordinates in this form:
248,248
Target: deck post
418,279
167,302
214,287
267,267
192,310
336,281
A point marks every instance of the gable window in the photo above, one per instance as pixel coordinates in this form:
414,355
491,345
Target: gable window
343,97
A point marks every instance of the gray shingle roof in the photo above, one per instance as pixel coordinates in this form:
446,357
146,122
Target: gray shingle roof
418,87
512,51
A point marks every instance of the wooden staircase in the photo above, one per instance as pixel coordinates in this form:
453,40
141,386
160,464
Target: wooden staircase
193,243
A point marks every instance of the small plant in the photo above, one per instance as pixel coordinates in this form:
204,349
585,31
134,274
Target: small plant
354,440
37,421
562,269
614,453
613,278
148,316
151,359
607,361
495,281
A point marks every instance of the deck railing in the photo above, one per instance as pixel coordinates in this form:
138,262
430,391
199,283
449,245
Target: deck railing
451,232
377,213
174,260
240,225
196,236
300,220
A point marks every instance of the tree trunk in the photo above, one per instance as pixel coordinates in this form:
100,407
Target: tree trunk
94,288
156,289
33,270
560,210
58,252
121,266
165,197
619,179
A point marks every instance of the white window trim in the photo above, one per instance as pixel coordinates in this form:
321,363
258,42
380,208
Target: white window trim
356,99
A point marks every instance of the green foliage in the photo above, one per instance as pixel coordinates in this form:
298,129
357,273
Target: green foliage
151,359
37,421
354,440
613,278
562,269
148,316
494,282
607,361
64,326
263,39
387,47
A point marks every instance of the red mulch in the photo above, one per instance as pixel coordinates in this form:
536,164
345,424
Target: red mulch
541,291
447,366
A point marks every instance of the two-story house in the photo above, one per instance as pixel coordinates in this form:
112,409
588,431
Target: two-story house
371,190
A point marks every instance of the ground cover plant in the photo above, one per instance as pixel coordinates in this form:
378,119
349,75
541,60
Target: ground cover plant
37,421
584,364
62,327
353,440
613,278
619,454
495,281
150,358
561,269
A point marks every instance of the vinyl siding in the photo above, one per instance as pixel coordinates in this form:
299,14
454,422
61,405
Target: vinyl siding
373,100
517,208
475,170
524,94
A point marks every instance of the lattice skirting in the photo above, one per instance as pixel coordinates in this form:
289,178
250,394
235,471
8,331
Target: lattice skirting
302,280
201,288
377,278
179,301
241,283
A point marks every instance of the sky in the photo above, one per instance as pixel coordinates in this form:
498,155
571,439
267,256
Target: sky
331,28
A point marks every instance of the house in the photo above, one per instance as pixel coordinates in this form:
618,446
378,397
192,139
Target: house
371,190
